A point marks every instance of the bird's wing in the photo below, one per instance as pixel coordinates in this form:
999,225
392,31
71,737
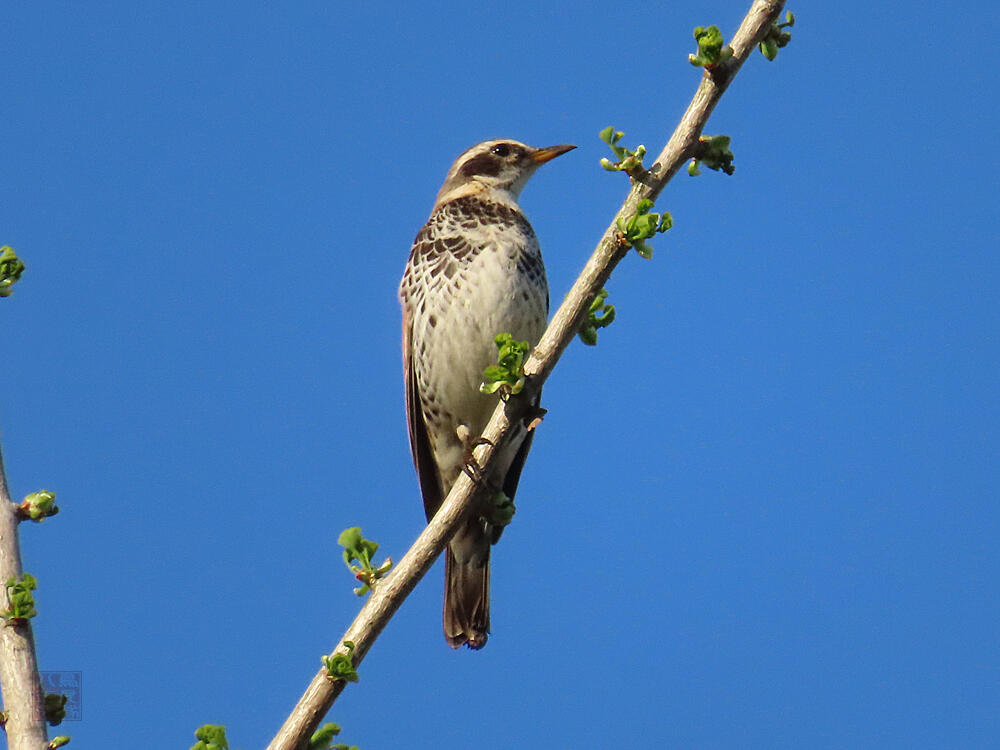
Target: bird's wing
514,472
420,444
510,481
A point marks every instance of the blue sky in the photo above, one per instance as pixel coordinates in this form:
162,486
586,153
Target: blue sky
761,513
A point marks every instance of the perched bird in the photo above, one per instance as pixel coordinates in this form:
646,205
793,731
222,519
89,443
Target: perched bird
475,270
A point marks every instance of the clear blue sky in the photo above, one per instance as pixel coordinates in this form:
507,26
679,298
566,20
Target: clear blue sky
762,513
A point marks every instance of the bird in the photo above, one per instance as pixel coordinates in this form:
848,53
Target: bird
475,270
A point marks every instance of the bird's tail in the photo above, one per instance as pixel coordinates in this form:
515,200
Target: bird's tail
467,600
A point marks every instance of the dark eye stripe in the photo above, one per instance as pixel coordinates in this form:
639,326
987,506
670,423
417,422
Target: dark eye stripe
501,149
483,164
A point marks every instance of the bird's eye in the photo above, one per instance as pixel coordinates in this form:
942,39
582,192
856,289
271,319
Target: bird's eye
501,149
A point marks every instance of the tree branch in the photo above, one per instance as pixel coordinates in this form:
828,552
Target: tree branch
389,593
22,690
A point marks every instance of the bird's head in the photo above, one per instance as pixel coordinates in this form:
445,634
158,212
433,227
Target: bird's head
501,166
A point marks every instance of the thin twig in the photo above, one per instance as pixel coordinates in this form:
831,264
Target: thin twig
389,593
22,690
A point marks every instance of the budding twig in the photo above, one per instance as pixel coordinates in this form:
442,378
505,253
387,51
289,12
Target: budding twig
393,589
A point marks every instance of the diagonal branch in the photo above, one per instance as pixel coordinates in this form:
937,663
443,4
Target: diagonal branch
389,593
22,691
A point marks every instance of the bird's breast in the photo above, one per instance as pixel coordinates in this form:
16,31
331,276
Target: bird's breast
482,279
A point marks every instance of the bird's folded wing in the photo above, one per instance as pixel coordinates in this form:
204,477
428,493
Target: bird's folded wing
420,444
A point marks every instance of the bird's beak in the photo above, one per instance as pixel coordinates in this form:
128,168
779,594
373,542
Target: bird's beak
543,155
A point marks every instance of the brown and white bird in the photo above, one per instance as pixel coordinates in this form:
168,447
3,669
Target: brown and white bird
475,270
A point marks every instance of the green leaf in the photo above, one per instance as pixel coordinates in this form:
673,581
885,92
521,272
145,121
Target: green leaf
644,250
628,161
340,666
361,550
603,316
599,315
22,603
11,269
58,741
641,226
356,547
710,47
714,153
55,708
507,376
646,225
502,510
323,737
350,539
210,737
776,37
39,505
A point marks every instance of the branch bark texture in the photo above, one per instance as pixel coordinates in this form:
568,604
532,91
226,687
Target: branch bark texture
389,593
22,690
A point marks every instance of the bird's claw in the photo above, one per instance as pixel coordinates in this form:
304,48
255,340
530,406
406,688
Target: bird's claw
473,470
469,463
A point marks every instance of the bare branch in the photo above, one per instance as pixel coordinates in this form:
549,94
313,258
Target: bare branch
388,594
22,691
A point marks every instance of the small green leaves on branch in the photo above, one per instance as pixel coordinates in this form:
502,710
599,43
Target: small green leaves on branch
642,225
599,315
629,162
501,510
710,47
210,737
58,742
55,708
714,153
22,603
341,666
11,269
777,37
322,739
38,506
357,548
507,376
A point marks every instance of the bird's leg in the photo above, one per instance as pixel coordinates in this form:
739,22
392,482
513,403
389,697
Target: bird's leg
469,464
496,508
